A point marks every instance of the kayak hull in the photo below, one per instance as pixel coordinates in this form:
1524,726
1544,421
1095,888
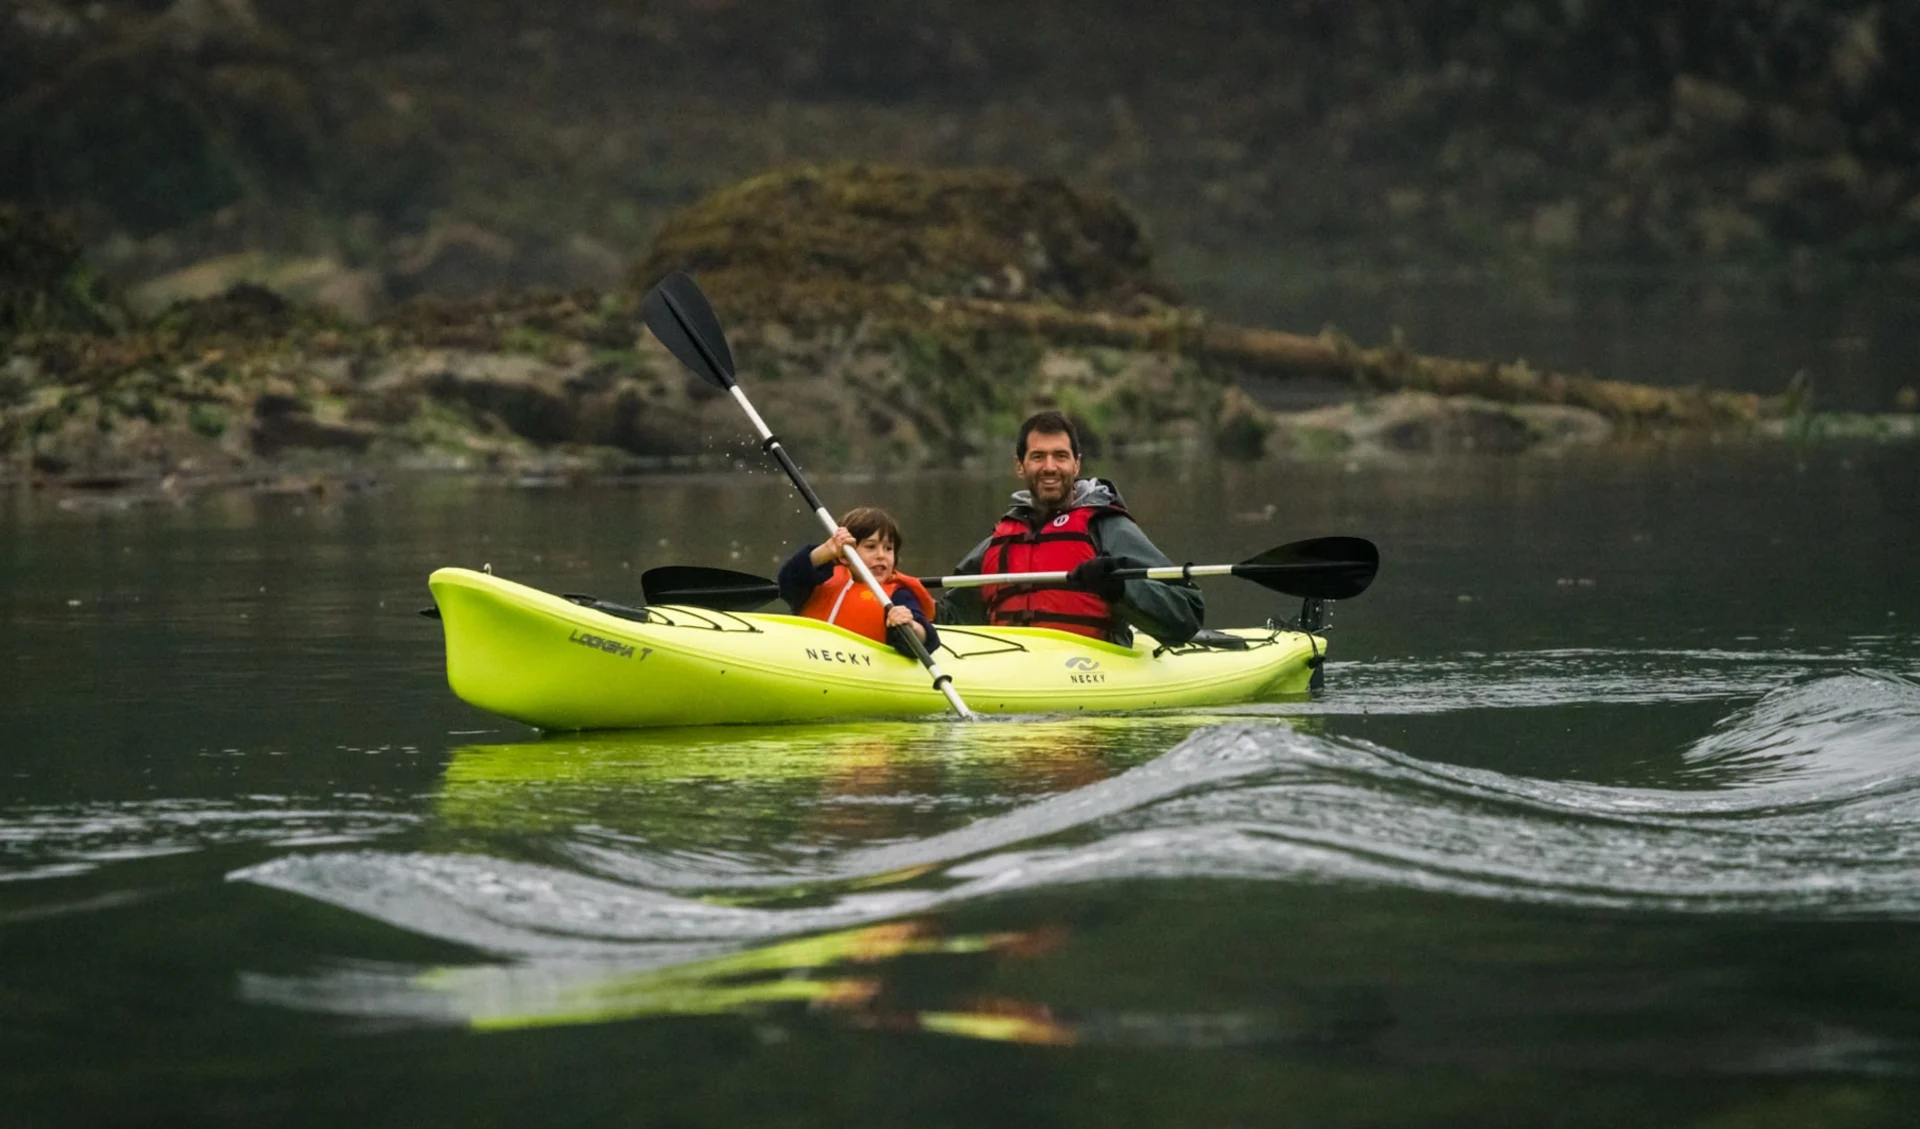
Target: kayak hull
555,664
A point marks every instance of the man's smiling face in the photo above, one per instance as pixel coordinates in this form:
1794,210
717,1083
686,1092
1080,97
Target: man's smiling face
1049,469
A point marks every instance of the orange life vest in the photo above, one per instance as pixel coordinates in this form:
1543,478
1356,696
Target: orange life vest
843,600
1056,545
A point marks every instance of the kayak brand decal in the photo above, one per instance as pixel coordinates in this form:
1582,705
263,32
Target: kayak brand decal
610,646
1087,669
848,658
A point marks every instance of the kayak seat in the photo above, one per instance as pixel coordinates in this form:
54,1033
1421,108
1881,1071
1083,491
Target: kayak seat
1207,639
1217,640
620,611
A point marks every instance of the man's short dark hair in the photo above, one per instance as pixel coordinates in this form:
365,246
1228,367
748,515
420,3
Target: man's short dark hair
1047,423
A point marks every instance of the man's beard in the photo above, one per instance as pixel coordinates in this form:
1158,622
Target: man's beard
1054,502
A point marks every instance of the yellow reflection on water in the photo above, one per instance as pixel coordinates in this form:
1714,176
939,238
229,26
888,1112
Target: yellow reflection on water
861,781
839,974
718,811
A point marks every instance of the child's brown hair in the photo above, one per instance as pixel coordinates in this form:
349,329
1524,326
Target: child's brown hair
865,521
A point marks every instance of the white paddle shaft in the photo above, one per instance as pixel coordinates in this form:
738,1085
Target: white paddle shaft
1167,572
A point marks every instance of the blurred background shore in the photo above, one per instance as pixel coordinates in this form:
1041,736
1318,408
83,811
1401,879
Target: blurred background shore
1724,194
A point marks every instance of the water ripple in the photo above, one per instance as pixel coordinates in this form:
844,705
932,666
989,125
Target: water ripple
1812,814
1575,676
62,841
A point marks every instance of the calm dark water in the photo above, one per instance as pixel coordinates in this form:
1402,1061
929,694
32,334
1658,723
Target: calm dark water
1610,816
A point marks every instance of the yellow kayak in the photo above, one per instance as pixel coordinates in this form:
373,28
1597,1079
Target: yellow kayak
555,663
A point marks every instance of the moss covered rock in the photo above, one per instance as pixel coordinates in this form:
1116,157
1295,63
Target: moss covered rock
855,276
841,243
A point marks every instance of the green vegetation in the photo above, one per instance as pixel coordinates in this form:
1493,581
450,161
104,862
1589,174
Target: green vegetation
44,284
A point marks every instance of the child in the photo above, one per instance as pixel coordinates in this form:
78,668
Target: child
815,586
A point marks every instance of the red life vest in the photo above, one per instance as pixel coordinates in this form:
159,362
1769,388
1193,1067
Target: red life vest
845,601
1055,546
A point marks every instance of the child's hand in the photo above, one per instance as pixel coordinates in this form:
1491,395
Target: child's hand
828,551
898,616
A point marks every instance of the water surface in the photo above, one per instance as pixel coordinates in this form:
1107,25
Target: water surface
1609,815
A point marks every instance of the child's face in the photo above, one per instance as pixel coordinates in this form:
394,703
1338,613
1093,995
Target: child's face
877,551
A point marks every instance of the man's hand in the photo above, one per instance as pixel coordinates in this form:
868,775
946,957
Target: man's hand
1096,576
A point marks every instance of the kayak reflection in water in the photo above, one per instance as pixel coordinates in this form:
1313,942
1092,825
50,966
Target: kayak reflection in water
874,790
816,582
835,973
1064,523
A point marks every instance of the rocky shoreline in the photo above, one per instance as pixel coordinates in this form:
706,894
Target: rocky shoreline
323,239
887,316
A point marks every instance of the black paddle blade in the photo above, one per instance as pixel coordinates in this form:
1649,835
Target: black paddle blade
681,318
720,589
1322,568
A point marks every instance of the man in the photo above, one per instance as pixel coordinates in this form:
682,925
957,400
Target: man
1064,523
